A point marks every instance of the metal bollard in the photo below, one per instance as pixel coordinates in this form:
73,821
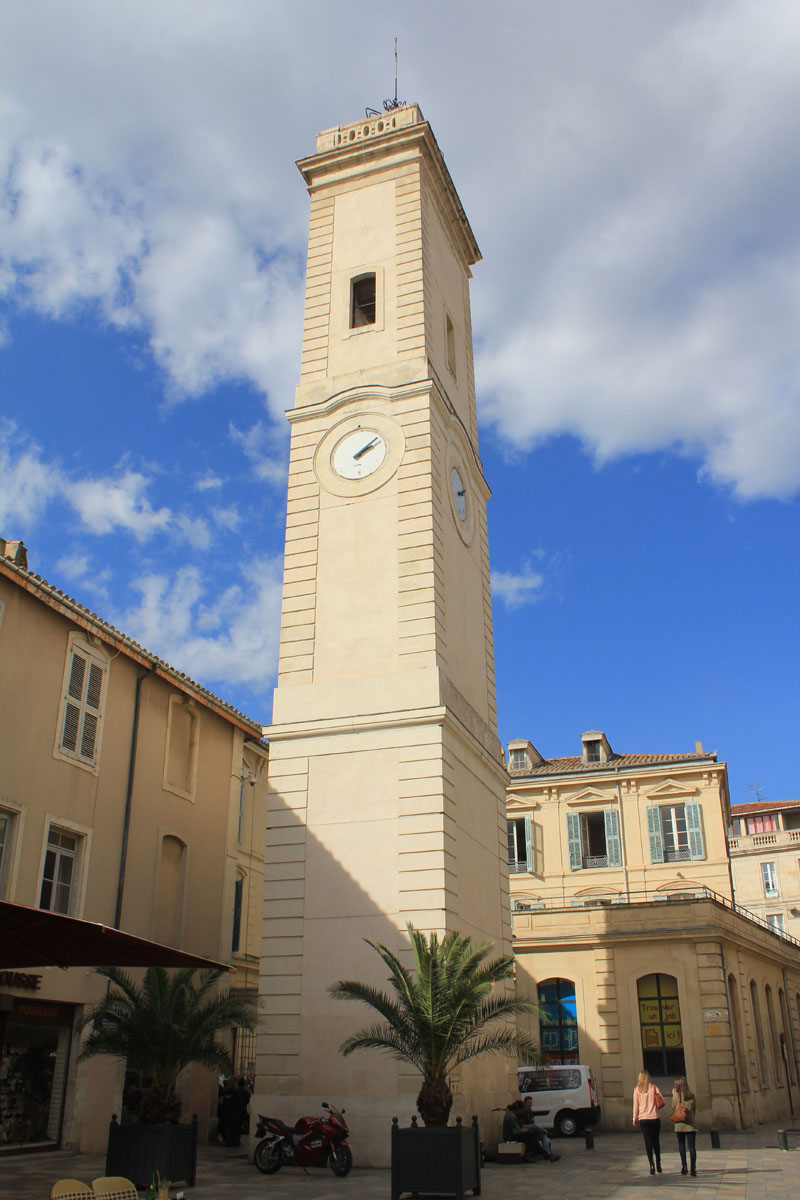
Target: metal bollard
588,1137
783,1140
715,1139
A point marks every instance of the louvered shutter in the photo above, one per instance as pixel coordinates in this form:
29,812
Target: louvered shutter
79,733
528,845
574,841
613,843
694,829
654,833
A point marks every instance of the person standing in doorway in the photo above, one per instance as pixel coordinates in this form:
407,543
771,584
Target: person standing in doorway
682,1117
647,1100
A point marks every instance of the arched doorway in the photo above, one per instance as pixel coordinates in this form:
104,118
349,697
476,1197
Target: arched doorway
660,1022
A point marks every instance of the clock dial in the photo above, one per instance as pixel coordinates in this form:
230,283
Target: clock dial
459,494
358,454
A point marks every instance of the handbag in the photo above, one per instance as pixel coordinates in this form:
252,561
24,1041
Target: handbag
678,1113
659,1099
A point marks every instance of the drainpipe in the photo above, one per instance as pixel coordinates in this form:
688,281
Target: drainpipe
126,823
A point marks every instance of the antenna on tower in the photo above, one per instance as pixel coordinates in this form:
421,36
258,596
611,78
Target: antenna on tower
389,105
757,790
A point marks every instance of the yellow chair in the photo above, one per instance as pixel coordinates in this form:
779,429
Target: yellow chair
114,1187
70,1189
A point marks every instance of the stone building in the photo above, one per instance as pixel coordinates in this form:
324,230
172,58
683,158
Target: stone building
626,930
131,796
765,859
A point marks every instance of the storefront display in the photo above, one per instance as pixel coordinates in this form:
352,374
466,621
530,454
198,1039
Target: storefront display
34,1054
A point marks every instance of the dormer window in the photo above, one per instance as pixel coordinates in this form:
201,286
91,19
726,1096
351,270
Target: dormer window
517,760
595,747
592,751
362,301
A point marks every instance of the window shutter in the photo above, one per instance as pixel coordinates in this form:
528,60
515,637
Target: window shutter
654,832
76,674
694,828
82,707
574,841
528,845
613,843
512,849
69,736
95,688
89,736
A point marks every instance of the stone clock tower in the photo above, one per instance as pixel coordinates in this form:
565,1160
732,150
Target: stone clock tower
386,775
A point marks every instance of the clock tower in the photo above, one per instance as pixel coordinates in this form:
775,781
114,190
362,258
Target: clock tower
386,774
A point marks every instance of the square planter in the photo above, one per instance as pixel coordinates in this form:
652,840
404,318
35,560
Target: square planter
136,1151
439,1161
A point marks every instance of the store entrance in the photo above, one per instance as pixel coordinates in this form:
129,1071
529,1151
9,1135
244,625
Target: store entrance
34,1056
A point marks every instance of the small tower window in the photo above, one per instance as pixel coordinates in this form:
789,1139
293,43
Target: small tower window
362,301
450,344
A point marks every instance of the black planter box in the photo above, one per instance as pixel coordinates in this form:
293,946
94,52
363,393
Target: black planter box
137,1151
439,1161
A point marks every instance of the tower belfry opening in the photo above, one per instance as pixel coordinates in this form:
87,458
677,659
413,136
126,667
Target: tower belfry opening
386,774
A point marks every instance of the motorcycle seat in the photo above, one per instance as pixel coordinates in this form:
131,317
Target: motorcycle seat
287,1130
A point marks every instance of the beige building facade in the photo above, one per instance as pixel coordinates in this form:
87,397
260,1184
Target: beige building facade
626,930
131,796
386,800
765,858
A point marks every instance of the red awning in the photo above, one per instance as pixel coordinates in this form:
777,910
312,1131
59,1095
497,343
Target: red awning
32,937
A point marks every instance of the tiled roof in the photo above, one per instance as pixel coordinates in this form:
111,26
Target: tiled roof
760,806
69,607
574,763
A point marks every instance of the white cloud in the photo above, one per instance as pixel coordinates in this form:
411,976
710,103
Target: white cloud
226,518
208,482
27,483
223,640
627,168
516,589
107,504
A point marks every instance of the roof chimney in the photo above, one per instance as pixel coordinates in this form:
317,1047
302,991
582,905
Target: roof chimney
698,748
16,552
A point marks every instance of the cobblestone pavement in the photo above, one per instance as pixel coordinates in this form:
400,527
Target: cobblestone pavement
748,1166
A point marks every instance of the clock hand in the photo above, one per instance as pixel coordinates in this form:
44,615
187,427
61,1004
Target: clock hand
364,449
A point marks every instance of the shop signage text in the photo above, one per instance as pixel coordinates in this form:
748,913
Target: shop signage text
20,979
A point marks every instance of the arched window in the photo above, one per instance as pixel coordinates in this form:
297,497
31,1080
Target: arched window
736,1029
660,1021
773,1038
786,1035
759,1034
558,1021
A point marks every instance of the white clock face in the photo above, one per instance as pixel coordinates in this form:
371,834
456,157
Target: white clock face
459,494
358,454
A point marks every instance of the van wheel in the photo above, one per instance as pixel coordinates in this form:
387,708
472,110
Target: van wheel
567,1125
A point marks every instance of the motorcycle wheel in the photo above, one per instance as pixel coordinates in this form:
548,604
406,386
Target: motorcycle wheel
340,1159
267,1156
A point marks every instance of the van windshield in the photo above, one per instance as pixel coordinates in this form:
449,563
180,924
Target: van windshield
549,1080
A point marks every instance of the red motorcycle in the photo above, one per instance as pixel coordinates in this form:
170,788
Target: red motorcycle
312,1142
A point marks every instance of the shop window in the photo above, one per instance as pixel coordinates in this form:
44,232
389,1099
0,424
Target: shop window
83,700
35,1055
593,840
363,296
558,1021
675,832
238,894
761,1053
660,1022
169,920
180,766
741,1058
60,872
769,878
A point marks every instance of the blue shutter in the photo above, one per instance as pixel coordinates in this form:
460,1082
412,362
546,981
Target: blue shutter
528,845
574,841
654,832
694,828
613,843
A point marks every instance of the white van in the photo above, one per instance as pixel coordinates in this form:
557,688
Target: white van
564,1098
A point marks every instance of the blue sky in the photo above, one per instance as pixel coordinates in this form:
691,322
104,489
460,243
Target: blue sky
630,174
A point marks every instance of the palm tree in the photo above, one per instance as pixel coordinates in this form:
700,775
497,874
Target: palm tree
163,1025
442,1014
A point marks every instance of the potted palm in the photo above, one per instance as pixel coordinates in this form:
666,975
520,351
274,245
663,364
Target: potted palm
452,1006
165,1023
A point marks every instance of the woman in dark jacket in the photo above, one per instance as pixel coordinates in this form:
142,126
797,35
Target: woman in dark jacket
685,1129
